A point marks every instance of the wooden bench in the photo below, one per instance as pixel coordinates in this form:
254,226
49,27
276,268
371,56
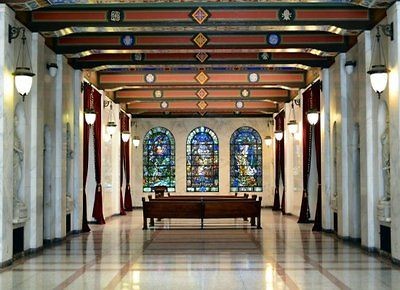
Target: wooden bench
202,209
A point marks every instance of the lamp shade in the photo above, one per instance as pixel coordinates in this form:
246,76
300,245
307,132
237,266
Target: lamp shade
125,135
378,75
278,135
90,116
135,141
23,78
312,117
293,127
111,127
268,141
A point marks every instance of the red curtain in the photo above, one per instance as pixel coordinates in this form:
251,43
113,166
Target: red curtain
87,88
98,199
279,151
316,90
128,197
121,164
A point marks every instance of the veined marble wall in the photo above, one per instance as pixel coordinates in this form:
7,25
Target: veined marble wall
180,128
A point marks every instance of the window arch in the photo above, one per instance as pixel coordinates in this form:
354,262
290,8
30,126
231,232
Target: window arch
158,159
246,160
202,160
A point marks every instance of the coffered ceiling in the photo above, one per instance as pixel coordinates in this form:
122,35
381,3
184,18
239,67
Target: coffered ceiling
205,58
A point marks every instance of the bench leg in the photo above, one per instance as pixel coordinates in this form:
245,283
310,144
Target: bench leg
152,222
253,221
144,223
245,219
259,222
202,224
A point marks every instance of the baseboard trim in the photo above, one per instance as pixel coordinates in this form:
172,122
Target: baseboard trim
6,263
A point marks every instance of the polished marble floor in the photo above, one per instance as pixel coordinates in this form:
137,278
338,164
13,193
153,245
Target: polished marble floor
226,255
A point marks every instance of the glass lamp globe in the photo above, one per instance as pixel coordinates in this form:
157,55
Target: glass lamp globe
90,116
111,127
293,127
268,141
378,75
135,141
312,117
125,135
278,135
23,78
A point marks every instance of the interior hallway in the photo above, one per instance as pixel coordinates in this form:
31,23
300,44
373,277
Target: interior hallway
283,255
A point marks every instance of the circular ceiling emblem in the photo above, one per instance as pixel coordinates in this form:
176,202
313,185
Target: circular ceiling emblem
273,39
150,78
127,40
164,104
158,94
253,77
239,104
245,93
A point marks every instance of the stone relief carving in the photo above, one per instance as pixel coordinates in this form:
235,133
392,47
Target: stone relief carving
69,156
20,212
385,139
334,196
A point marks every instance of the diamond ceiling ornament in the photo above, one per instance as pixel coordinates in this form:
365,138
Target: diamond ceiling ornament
202,56
200,15
200,40
202,105
202,78
202,93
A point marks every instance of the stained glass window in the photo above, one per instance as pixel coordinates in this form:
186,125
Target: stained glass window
246,160
158,159
202,160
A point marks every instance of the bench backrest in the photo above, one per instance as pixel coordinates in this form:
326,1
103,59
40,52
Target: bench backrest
231,208
175,209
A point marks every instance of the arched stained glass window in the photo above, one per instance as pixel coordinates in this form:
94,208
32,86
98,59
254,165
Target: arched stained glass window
158,159
246,160
202,160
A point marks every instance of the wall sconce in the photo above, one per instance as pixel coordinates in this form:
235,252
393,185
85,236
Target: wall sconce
90,114
312,114
292,124
52,68
23,75
278,135
135,139
378,71
111,126
349,66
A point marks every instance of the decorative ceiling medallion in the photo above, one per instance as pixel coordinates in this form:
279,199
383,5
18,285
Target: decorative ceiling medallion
286,14
164,104
202,93
245,93
239,104
202,78
202,56
202,105
264,56
200,15
273,39
127,40
150,78
157,94
116,15
200,39
253,77
137,56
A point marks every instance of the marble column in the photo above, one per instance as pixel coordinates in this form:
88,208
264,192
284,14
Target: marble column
34,226
77,167
326,162
6,136
394,113
60,198
368,145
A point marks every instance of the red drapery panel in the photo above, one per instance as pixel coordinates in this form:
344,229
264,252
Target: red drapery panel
121,163
87,89
279,125
304,216
98,199
316,90
128,197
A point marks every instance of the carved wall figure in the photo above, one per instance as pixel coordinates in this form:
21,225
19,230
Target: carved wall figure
18,153
385,142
